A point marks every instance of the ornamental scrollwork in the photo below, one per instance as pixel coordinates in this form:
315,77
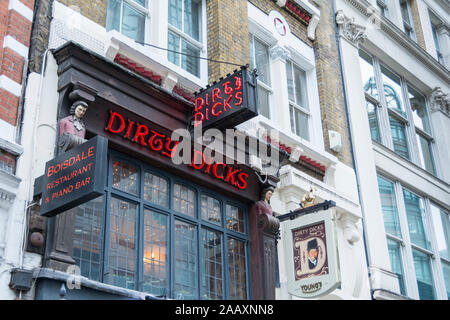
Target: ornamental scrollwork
353,32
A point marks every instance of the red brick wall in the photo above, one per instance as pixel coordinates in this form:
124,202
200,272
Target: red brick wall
17,26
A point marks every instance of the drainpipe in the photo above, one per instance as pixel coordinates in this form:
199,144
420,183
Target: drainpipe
333,6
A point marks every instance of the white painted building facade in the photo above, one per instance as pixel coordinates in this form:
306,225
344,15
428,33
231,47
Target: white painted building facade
339,183
400,140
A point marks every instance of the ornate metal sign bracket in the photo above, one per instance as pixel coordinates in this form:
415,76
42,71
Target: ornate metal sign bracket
318,207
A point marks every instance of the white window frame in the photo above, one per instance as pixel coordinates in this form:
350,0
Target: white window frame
200,45
408,27
384,10
144,10
407,247
303,56
435,23
266,87
295,104
384,112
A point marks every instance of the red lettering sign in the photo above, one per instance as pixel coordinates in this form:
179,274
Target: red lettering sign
143,135
219,101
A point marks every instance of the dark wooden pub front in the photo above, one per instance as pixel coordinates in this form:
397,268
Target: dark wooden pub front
166,230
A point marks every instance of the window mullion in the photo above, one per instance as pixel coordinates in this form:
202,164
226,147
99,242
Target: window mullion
171,236
410,128
382,113
199,260
407,256
106,236
434,152
436,267
121,16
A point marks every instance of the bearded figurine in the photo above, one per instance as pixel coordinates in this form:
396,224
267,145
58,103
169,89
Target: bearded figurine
72,130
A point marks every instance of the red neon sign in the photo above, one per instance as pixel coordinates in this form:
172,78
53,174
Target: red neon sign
221,171
145,136
221,100
142,135
228,102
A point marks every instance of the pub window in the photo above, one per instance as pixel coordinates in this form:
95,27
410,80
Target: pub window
417,233
184,34
259,56
128,17
395,109
160,234
298,100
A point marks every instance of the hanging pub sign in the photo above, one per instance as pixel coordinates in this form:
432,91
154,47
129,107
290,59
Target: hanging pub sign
310,247
227,103
74,177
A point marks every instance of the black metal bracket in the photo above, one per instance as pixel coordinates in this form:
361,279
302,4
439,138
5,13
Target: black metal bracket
293,214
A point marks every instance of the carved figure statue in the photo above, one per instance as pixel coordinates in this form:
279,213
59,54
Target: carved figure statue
72,130
309,198
263,206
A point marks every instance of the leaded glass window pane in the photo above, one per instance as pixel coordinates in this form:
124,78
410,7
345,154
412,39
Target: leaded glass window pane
186,256
88,238
189,62
396,263
212,280
175,13
389,207
156,189
414,211
122,244
441,229
423,275
368,74
211,210
399,137
392,91
237,269
373,121
184,200
425,154
173,45
155,278
234,218
125,177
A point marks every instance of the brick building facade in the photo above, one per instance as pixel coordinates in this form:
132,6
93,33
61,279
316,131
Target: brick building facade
124,56
15,36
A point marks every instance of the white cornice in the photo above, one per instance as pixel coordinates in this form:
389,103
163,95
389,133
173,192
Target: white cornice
403,40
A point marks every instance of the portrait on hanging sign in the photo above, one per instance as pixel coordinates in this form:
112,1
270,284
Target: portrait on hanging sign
310,251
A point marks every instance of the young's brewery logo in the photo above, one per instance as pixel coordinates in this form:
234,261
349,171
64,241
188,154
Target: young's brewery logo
310,288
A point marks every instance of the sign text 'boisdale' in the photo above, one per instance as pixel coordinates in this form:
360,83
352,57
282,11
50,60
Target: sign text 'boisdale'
74,177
